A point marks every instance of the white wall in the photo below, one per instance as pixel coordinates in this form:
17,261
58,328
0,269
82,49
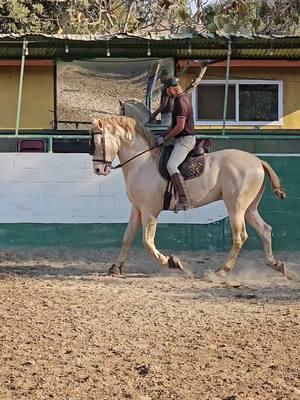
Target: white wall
62,188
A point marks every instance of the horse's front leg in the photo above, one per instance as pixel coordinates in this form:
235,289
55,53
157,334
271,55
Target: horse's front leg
133,225
149,222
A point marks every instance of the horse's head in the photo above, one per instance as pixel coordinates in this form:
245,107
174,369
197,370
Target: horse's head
103,147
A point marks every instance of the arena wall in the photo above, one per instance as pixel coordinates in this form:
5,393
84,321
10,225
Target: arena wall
56,199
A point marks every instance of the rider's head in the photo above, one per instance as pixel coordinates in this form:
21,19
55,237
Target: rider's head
173,86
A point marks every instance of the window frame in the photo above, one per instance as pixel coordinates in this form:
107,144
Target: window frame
236,83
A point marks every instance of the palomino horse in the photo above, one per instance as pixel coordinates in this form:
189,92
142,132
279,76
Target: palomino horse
235,176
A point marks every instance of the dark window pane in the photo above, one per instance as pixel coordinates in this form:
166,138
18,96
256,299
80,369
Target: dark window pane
258,102
210,102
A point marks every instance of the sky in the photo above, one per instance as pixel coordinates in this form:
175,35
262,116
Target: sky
193,4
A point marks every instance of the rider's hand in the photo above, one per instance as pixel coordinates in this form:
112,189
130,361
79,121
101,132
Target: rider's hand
159,140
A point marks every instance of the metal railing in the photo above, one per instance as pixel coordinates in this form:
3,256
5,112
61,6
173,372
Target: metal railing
229,136
49,138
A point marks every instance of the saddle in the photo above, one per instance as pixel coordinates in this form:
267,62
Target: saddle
192,166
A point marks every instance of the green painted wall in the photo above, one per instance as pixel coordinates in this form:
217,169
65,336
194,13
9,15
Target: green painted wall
284,216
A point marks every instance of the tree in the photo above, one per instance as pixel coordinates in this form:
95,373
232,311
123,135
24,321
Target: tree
92,16
145,16
253,16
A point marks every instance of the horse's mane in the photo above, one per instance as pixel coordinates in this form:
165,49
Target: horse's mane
125,128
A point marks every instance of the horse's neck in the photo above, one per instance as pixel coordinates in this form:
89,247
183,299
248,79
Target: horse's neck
137,146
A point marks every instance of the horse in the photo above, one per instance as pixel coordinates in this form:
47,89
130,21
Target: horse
234,176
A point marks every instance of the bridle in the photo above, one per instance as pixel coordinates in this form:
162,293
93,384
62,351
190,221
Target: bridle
93,148
104,160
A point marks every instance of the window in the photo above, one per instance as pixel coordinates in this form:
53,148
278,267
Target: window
250,102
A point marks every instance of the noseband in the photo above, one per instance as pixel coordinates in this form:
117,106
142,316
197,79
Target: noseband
93,147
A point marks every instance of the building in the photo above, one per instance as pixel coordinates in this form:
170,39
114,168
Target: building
49,86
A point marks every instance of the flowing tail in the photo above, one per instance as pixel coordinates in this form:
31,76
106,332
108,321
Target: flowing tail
275,181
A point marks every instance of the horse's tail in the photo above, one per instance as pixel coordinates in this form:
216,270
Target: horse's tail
275,181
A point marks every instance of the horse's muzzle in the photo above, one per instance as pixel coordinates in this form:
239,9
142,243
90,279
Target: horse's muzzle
102,169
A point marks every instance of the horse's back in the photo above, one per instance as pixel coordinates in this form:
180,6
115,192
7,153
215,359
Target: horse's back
234,157
232,168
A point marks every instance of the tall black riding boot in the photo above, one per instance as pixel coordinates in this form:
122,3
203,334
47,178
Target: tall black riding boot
183,199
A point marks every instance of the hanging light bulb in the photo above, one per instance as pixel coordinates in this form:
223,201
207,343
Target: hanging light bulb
67,49
107,51
26,52
190,50
148,50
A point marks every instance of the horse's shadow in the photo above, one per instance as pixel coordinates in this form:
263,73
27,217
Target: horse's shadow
264,294
234,288
44,270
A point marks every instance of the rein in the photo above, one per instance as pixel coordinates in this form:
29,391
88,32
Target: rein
132,158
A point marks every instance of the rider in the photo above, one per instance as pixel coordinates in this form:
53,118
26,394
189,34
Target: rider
183,133
166,103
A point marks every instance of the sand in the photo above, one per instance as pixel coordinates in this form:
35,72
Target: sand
87,91
69,331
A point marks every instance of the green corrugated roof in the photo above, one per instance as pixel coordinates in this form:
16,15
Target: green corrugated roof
132,46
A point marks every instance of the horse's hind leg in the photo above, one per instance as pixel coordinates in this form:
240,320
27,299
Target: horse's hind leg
239,236
133,224
265,233
149,230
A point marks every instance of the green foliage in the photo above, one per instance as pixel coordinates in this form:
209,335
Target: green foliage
156,16
253,16
21,16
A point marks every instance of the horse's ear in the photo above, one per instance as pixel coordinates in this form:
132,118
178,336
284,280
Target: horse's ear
121,103
97,123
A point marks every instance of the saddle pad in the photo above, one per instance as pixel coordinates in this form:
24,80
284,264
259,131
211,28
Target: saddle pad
191,167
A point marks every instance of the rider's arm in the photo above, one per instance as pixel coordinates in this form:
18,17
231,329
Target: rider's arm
180,122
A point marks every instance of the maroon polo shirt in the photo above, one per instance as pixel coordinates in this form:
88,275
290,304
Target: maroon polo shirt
183,108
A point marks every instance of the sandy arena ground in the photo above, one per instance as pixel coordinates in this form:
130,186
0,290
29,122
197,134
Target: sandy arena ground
69,332
84,94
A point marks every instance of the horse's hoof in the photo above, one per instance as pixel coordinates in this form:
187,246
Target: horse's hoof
115,270
280,267
175,263
221,273
291,276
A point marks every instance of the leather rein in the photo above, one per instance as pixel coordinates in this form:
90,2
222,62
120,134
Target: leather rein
104,160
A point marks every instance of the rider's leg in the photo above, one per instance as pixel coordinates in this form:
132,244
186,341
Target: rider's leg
182,147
